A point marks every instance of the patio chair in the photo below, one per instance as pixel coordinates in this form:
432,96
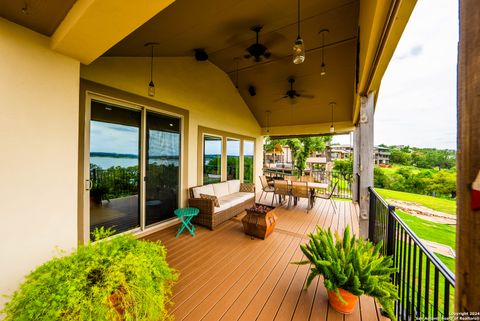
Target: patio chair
307,178
291,178
328,196
301,190
281,189
266,188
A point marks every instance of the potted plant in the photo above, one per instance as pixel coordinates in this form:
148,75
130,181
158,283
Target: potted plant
350,267
120,278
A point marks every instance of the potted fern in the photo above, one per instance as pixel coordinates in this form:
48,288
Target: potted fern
350,267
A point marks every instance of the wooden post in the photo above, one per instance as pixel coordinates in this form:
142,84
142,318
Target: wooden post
356,164
366,159
467,277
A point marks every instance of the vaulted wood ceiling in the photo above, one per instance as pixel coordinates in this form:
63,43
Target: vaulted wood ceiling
222,28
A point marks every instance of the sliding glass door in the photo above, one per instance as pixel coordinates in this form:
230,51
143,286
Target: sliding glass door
114,167
134,167
162,167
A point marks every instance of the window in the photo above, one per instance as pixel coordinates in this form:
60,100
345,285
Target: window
248,152
212,159
233,159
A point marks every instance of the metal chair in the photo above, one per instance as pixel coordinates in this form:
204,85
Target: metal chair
281,189
307,178
291,178
301,190
266,188
328,196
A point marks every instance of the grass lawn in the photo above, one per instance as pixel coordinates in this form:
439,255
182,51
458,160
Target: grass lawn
430,231
443,234
437,204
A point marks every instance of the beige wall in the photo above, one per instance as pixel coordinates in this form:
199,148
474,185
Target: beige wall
200,87
38,152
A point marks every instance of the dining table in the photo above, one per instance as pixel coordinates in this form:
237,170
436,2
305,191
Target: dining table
312,186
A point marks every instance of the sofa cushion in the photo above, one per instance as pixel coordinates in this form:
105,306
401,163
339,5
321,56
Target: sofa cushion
235,198
211,197
205,189
233,186
243,196
220,189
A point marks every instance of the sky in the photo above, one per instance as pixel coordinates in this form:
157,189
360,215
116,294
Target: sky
416,105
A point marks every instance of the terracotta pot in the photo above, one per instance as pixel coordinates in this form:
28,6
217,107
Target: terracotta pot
337,305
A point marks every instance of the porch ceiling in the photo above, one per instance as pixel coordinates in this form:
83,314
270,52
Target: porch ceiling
40,16
222,28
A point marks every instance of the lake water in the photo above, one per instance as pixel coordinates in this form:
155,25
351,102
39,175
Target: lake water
107,162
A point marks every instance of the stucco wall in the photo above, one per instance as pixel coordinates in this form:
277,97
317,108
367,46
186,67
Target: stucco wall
38,152
200,87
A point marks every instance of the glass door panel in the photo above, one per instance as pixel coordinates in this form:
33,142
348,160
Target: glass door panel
162,167
114,167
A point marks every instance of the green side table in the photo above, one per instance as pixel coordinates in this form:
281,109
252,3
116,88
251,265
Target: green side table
185,215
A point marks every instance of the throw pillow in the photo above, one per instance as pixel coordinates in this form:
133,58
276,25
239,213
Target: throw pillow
211,197
246,187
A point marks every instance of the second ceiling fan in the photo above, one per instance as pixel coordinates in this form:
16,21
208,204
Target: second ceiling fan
292,94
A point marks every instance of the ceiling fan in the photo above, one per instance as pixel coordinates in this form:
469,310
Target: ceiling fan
292,94
257,50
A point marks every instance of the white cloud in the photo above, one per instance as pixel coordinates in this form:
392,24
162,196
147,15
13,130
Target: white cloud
417,100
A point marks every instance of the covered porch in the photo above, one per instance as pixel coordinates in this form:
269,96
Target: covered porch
227,275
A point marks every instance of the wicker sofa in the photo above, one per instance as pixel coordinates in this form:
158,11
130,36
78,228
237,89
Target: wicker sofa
233,198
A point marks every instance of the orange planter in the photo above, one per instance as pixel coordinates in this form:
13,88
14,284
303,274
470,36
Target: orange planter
351,301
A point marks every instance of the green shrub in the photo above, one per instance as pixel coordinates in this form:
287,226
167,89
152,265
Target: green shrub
119,279
352,264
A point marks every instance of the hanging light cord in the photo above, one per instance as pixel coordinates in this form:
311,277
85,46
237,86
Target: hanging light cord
298,19
323,46
236,73
332,112
151,66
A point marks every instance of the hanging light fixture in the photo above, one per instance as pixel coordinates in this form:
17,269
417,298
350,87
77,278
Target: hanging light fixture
151,85
268,121
323,68
332,129
298,46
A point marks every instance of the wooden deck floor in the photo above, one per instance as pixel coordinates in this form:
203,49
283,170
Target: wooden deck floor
226,275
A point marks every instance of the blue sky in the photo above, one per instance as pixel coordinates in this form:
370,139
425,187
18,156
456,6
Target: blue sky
417,101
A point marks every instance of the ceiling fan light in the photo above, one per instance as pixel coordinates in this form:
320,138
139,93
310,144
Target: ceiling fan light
323,69
298,51
151,89
332,129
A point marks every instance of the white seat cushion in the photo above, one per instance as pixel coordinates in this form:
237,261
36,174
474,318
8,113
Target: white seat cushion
220,189
224,204
235,198
205,189
243,196
233,186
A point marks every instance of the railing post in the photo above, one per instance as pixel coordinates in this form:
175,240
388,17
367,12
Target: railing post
373,217
390,230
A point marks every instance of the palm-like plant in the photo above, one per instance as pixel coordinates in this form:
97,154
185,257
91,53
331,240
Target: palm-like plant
351,264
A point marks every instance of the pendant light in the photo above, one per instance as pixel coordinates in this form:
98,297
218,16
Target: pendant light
151,85
298,46
323,68
332,129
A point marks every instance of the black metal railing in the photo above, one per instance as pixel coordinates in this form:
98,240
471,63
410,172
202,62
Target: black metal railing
425,285
114,182
342,190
